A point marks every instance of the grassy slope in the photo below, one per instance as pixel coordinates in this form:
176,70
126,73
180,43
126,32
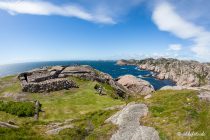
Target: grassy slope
178,111
170,112
79,102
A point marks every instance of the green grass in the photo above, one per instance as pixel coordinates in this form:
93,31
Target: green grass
19,109
1,84
15,88
8,77
61,105
178,111
97,72
170,112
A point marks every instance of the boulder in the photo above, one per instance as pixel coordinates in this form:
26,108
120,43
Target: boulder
135,84
128,123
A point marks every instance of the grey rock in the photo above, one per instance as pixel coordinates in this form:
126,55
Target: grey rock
204,96
115,107
7,94
69,120
3,124
19,96
148,96
179,88
128,122
56,131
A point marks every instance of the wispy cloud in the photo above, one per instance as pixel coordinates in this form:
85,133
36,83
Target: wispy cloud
141,56
167,19
175,47
47,8
99,11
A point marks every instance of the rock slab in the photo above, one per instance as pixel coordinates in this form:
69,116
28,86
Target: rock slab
3,124
128,121
7,94
204,96
56,131
136,84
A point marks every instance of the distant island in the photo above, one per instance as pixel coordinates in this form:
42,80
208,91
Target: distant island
106,60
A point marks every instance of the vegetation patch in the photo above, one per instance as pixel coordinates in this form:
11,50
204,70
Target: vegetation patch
175,112
202,79
20,109
97,72
8,77
1,84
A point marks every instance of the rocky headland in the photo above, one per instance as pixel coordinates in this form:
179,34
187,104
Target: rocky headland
184,73
54,78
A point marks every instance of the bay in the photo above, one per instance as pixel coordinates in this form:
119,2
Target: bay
107,67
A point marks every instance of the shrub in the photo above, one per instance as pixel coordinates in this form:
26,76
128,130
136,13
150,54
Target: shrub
20,109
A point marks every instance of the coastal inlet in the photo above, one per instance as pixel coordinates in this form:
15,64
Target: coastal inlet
107,67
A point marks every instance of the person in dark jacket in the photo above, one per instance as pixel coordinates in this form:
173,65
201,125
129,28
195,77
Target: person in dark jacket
96,87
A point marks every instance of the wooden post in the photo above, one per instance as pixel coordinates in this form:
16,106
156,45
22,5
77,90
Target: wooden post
37,110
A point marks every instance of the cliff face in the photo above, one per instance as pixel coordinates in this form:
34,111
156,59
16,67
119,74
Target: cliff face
184,73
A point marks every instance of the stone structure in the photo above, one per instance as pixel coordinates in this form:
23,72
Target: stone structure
135,84
48,79
44,80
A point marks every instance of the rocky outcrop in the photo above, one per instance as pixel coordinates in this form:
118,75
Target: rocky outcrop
184,73
121,62
136,84
48,79
128,121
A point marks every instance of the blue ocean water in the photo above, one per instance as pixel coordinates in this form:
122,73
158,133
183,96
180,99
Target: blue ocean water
106,67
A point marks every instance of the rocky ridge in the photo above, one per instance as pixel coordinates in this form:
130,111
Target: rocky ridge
48,79
184,73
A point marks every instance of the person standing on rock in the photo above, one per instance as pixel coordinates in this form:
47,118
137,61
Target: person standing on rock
100,90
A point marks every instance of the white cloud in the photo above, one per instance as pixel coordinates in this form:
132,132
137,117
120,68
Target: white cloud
167,19
47,8
175,47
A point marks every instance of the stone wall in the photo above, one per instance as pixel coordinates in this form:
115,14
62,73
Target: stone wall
48,85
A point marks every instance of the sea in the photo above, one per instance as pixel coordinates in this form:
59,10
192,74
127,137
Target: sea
105,66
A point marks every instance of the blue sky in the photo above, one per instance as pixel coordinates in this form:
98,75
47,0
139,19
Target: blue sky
48,30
